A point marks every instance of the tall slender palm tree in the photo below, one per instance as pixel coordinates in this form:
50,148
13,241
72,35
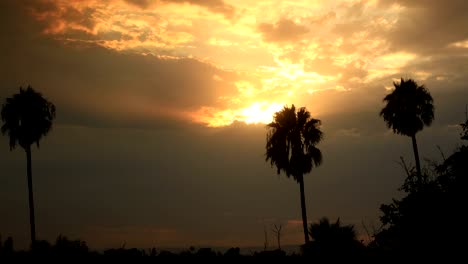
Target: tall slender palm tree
27,117
409,108
291,147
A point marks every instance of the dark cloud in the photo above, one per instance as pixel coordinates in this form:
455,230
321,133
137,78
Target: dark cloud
68,22
80,25
98,87
140,3
282,31
80,18
354,70
355,10
127,177
429,26
215,6
54,16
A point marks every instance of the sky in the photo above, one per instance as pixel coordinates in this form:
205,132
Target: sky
162,108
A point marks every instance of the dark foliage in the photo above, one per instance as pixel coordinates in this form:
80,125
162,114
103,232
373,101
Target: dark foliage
333,240
409,107
426,222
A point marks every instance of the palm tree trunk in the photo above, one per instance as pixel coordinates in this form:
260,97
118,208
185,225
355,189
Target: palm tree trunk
31,198
416,157
303,207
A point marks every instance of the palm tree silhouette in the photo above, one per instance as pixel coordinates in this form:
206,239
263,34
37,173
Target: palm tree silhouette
291,141
332,240
325,233
27,116
409,108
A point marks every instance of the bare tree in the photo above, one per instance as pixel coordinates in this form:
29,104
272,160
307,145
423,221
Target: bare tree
277,231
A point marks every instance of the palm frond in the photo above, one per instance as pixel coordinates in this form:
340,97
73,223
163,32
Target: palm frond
409,107
291,141
27,117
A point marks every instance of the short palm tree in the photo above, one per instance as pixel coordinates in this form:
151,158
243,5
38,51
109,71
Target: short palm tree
326,233
27,117
409,107
332,240
291,147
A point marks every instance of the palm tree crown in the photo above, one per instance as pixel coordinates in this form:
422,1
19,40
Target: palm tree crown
409,108
325,232
27,117
291,142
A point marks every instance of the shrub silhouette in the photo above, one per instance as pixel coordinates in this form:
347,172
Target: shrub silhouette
425,222
332,240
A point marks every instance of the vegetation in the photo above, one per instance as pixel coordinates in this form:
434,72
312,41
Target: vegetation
71,249
425,220
27,117
332,240
409,108
291,147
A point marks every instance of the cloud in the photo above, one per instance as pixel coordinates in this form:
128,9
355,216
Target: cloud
349,132
282,31
356,9
126,25
215,6
59,17
95,86
115,26
140,3
322,19
428,26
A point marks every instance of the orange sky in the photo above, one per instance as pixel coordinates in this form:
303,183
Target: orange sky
283,51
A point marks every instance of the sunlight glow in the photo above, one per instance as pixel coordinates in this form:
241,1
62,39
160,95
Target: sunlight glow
255,69
260,112
256,113
460,44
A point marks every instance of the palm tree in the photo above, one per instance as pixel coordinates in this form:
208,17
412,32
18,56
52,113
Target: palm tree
291,142
27,116
332,240
409,108
325,233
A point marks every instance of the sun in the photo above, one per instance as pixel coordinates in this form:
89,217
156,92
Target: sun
259,112
255,113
